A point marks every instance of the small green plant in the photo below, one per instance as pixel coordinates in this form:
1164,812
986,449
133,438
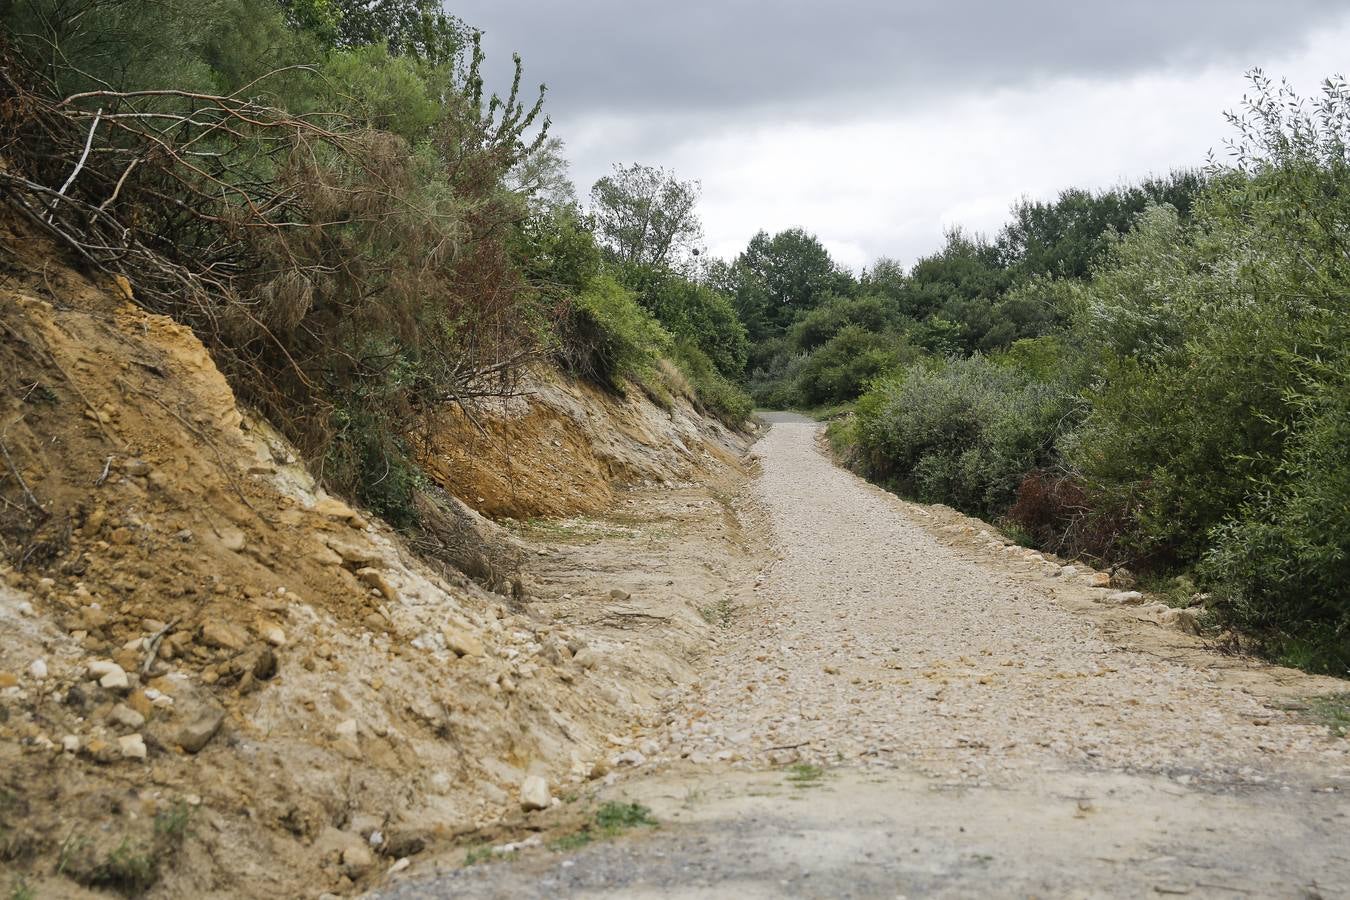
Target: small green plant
1332,711
610,820
172,825
21,890
805,775
476,855
1178,591
1017,534
72,846
574,841
718,613
613,818
130,869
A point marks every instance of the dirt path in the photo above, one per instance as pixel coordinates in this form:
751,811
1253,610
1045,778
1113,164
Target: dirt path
948,721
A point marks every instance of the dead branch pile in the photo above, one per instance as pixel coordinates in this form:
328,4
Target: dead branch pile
303,249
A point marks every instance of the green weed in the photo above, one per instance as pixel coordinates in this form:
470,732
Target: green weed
805,775
610,820
1333,711
130,869
718,613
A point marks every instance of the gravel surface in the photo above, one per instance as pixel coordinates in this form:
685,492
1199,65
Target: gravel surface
876,644
980,730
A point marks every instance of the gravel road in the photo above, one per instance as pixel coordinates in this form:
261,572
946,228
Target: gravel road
979,735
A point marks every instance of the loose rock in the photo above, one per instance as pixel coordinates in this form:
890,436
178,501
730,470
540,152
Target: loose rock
126,717
131,746
223,636
534,793
200,725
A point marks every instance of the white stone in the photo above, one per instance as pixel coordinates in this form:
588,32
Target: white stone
629,758
132,746
38,669
534,793
115,680
126,716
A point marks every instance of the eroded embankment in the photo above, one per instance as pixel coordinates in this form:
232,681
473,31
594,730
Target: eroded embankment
217,680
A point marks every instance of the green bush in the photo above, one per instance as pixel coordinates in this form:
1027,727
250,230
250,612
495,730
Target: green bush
712,392
607,338
841,368
1280,568
961,432
871,313
691,311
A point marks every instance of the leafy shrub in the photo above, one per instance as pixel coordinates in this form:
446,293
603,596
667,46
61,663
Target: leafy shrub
607,338
698,314
871,313
712,392
961,432
774,365
841,368
1280,568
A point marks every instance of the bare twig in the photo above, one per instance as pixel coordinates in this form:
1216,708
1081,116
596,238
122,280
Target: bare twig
152,648
18,476
88,144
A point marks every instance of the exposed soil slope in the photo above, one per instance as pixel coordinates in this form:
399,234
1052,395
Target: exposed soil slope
217,681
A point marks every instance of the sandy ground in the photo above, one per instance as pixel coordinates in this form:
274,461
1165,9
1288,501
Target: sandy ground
905,710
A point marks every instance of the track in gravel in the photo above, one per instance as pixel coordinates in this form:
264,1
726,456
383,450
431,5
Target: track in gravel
981,738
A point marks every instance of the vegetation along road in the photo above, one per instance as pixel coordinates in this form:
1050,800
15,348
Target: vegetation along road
923,710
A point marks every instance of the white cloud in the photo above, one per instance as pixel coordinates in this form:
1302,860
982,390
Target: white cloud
886,185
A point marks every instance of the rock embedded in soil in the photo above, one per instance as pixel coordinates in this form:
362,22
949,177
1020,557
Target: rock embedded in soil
534,793
126,717
201,722
376,579
131,746
223,636
630,758
460,642
115,680
357,860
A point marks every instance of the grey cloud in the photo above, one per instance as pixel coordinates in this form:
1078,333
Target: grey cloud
619,57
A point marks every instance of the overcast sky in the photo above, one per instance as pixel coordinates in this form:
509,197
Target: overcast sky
877,124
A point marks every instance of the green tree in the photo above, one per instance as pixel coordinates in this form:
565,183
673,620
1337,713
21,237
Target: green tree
419,28
793,273
646,216
1066,237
